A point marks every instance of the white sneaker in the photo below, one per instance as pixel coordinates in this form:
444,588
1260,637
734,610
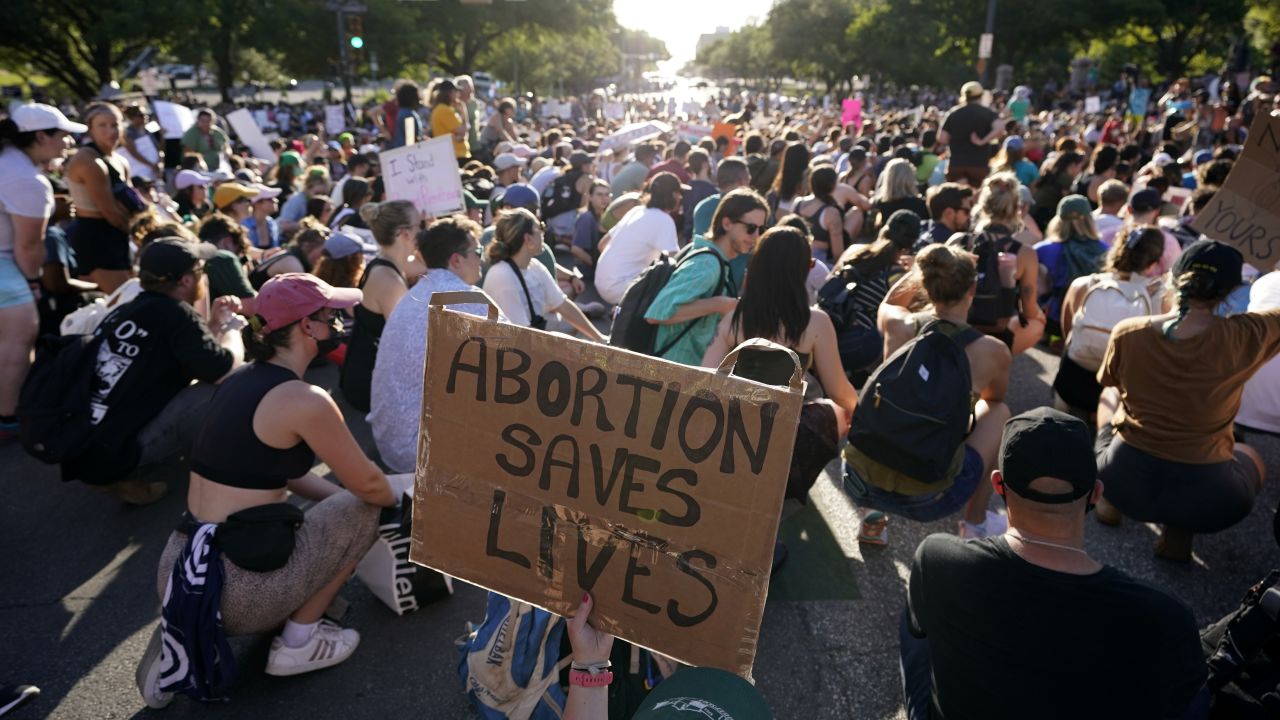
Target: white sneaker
147,675
995,524
329,645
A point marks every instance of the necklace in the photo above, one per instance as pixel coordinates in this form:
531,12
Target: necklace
1014,533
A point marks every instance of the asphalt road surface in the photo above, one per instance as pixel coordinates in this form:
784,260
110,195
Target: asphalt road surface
78,602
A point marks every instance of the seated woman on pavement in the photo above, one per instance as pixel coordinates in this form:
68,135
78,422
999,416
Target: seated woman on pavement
262,433
948,277
775,306
524,290
1169,457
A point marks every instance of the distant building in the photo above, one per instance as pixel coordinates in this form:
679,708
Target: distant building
706,40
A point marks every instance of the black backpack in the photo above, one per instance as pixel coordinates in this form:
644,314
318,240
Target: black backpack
561,195
1243,654
630,330
860,345
54,422
914,412
991,302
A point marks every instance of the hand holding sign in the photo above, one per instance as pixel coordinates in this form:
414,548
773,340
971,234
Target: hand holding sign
549,467
1245,212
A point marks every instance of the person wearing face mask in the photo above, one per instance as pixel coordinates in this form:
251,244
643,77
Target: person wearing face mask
265,562
450,248
36,134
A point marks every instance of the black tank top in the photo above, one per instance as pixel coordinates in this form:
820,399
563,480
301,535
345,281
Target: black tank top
228,451
362,348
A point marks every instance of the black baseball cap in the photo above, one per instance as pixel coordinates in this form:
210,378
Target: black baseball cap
1146,201
169,258
1223,262
1047,443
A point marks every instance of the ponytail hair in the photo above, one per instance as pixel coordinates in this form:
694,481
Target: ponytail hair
260,346
508,234
1135,249
385,219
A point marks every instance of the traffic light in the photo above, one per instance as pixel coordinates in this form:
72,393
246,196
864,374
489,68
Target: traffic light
355,31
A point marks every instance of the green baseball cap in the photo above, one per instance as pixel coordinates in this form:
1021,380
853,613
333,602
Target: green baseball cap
702,694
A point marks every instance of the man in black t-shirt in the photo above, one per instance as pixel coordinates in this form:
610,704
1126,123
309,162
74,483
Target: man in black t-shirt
143,405
1027,625
967,129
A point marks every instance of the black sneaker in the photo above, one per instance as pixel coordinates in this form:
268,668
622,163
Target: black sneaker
13,696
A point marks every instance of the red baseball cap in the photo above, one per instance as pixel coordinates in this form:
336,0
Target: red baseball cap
287,298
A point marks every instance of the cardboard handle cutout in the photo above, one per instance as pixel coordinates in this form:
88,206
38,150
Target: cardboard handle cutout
730,360
462,297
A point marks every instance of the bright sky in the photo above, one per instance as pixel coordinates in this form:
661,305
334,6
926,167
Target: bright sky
679,23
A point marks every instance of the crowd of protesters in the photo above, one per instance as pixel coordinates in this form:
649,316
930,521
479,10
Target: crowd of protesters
207,281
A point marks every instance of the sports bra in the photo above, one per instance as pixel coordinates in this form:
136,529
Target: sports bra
229,452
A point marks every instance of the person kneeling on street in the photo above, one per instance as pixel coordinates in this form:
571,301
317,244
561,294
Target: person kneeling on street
1032,609
261,435
928,422
145,408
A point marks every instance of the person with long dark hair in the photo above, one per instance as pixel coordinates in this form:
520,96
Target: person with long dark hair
823,213
789,183
1170,457
35,135
1056,178
409,103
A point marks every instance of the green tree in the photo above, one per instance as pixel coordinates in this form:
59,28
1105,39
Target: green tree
83,45
533,59
810,36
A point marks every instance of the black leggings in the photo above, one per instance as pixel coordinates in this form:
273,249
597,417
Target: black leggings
1198,498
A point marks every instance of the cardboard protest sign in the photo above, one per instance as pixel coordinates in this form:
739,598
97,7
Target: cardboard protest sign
251,135
549,466
425,174
729,131
335,120
175,119
1245,213
851,112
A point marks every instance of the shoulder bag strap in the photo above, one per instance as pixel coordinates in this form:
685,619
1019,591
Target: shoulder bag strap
527,298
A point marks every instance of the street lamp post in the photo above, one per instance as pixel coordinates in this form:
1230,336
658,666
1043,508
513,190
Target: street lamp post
984,46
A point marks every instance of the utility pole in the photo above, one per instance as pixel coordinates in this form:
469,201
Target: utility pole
985,43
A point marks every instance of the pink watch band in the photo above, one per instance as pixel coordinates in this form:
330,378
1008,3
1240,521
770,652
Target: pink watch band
583,678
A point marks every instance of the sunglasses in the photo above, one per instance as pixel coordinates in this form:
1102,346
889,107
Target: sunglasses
752,228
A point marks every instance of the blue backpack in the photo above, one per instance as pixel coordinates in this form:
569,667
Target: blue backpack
511,662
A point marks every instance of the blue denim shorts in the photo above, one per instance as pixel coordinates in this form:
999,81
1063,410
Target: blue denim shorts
13,285
921,508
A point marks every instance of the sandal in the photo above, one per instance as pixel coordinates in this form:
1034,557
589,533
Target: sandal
874,529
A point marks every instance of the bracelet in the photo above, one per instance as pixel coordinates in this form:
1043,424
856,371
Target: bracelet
593,668
586,679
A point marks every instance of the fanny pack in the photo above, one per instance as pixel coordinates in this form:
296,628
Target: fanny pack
258,539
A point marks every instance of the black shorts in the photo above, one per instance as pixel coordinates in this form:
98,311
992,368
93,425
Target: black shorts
99,245
1200,498
1077,386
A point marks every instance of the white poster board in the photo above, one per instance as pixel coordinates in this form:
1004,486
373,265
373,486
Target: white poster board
175,119
335,121
1092,104
150,156
615,110
251,135
693,132
425,174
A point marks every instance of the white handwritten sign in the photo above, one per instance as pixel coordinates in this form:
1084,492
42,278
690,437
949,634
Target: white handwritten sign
1093,104
335,121
692,132
174,118
425,174
251,135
